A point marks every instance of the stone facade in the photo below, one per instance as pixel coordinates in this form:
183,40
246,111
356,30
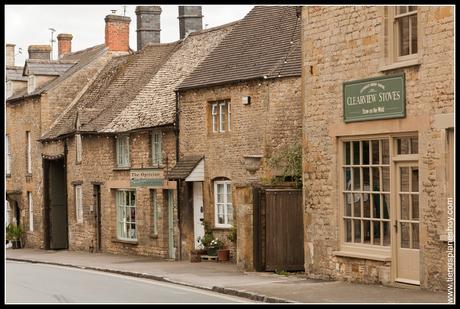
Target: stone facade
271,122
348,43
98,166
36,114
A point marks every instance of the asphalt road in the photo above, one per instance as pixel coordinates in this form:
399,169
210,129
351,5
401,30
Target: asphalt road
39,283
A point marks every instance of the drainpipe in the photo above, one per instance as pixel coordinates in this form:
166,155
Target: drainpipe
66,193
176,131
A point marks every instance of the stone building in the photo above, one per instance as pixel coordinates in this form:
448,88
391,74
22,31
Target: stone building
243,100
50,87
119,141
378,142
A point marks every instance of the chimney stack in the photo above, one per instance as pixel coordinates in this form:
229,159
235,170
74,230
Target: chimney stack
64,44
148,25
190,20
40,52
10,54
117,33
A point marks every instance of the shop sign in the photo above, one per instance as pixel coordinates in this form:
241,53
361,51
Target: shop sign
146,177
374,98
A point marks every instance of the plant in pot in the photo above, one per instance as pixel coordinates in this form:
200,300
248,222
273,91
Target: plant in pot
14,234
214,246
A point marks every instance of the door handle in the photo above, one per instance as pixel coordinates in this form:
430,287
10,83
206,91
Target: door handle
396,226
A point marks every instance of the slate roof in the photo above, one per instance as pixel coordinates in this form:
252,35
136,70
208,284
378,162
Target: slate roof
155,105
260,45
15,73
184,167
80,58
113,89
47,67
137,91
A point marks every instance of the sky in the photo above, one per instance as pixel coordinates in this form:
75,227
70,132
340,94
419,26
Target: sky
29,24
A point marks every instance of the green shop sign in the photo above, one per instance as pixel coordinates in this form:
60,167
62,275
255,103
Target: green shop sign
374,98
146,177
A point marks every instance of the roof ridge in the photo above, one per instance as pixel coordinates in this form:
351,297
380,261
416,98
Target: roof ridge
83,50
215,28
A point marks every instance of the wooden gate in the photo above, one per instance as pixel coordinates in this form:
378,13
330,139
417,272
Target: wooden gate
278,230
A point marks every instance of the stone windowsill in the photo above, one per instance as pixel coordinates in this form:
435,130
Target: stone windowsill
121,168
400,64
125,241
365,256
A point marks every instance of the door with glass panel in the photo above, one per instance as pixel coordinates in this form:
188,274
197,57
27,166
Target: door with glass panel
407,223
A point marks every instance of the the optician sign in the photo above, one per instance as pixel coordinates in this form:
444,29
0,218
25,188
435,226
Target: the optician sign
374,98
146,177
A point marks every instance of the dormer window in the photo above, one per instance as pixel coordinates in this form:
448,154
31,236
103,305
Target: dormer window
31,84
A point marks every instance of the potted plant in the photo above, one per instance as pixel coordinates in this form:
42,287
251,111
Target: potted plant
14,234
215,245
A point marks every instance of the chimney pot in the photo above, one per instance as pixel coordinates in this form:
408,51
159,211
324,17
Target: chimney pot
117,32
40,52
10,54
64,44
148,25
190,19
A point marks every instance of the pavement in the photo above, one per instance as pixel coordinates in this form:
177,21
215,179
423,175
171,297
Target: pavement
224,277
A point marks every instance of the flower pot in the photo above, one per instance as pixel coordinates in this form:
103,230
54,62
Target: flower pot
16,244
212,251
195,255
223,254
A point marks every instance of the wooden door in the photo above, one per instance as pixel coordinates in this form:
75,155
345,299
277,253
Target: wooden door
198,226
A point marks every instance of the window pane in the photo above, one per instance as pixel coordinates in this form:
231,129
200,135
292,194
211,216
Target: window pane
348,202
405,238
365,152
385,152
413,22
367,231
403,27
412,8
357,205
375,152
386,206
229,214
403,145
376,206
404,206
414,179
356,179
366,206
357,226
404,178
220,213
415,207
356,153
386,179
347,152
347,178
347,230
375,179
386,233
415,238
376,231
366,179
402,9
414,145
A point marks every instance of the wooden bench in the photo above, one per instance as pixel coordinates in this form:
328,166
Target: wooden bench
209,258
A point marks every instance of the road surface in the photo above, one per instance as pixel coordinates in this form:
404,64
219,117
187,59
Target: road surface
40,283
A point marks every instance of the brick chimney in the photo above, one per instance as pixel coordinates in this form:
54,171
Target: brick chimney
190,19
64,44
117,32
10,54
40,52
148,25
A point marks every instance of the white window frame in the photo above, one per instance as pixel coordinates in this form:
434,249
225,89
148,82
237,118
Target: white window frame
8,155
123,209
214,117
225,204
9,89
157,140
123,149
397,38
29,152
79,203
78,147
31,211
31,84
